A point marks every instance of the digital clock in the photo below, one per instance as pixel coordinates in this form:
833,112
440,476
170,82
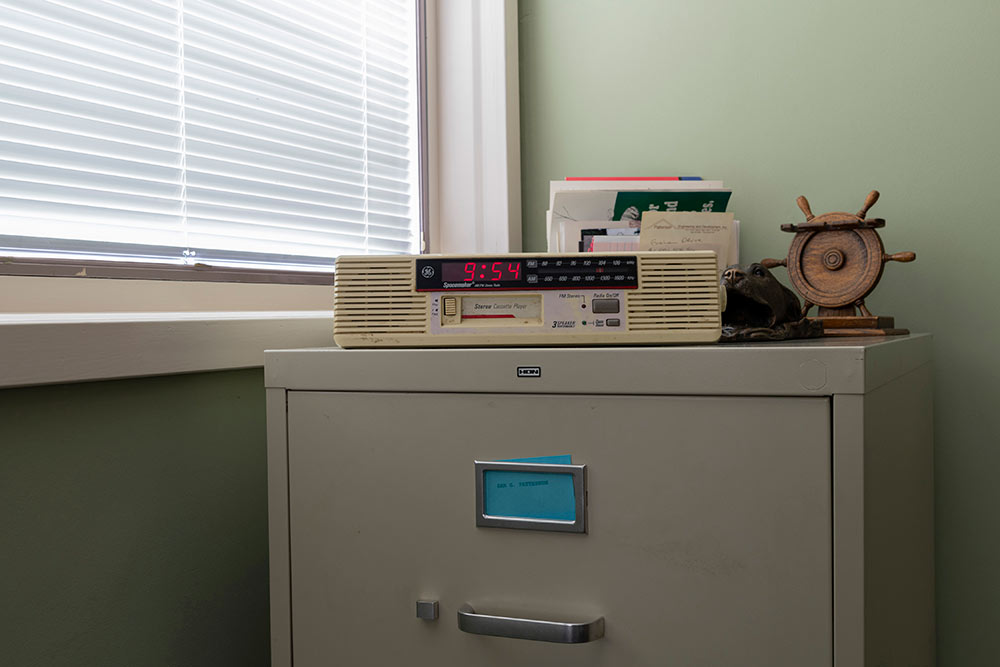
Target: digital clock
478,271
526,272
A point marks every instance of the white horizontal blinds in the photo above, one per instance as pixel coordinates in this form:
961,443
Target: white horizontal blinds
90,121
220,131
291,148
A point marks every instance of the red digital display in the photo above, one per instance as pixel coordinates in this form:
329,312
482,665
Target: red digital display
480,272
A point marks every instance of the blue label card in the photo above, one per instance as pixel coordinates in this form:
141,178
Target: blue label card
561,459
530,495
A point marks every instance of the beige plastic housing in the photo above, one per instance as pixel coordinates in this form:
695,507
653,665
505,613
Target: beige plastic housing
376,304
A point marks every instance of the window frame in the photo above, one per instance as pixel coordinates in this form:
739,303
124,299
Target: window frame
139,270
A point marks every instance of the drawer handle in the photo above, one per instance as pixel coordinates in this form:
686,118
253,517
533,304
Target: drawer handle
528,628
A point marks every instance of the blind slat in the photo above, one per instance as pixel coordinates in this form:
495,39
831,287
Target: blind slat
198,193
51,32
102,146
93,61
82,196
71,213
342,88
291,165
255,176
216,143
271,126
332,103
67,125
55,157
109,24
91,98
238,34
345,220
155,9
345,120
95,181
242,188
38,99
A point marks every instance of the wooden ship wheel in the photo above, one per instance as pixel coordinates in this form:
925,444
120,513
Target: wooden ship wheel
834,262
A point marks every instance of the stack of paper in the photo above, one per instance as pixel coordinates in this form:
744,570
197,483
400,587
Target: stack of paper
604,215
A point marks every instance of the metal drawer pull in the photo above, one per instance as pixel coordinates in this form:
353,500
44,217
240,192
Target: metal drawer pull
528,628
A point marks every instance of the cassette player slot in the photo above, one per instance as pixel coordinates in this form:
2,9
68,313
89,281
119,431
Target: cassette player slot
477,310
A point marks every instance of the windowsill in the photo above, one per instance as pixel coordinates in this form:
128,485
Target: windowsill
45,348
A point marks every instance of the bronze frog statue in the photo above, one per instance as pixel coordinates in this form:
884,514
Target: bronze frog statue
761,308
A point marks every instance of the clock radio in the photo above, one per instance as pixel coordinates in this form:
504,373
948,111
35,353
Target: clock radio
628,298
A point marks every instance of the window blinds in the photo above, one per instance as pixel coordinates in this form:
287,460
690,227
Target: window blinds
236,132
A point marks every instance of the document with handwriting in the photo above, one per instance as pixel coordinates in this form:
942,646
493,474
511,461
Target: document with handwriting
677,230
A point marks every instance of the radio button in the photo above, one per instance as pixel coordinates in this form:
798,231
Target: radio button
532,278
607,306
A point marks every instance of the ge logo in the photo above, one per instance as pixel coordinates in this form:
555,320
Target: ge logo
427,272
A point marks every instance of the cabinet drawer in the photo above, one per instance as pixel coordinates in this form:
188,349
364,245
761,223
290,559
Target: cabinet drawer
708,529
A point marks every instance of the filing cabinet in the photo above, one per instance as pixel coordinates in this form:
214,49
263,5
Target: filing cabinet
746,505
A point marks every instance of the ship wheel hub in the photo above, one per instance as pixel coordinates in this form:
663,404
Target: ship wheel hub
833,259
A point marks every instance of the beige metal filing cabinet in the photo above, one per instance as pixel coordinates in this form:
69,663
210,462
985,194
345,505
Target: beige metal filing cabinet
765,505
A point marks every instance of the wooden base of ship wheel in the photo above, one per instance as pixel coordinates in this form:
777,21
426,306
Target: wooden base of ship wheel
844,333
859,326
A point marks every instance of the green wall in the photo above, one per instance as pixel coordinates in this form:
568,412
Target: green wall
133,528
828,99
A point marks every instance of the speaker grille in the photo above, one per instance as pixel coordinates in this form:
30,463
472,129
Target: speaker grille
675,293
375,295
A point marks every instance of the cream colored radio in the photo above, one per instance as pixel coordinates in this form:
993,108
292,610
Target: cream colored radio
638,298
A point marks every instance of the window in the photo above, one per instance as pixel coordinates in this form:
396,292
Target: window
250,133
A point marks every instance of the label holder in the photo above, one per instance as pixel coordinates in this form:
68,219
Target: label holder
579,474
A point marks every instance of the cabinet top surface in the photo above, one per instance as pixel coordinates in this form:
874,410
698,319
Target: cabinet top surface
823,366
